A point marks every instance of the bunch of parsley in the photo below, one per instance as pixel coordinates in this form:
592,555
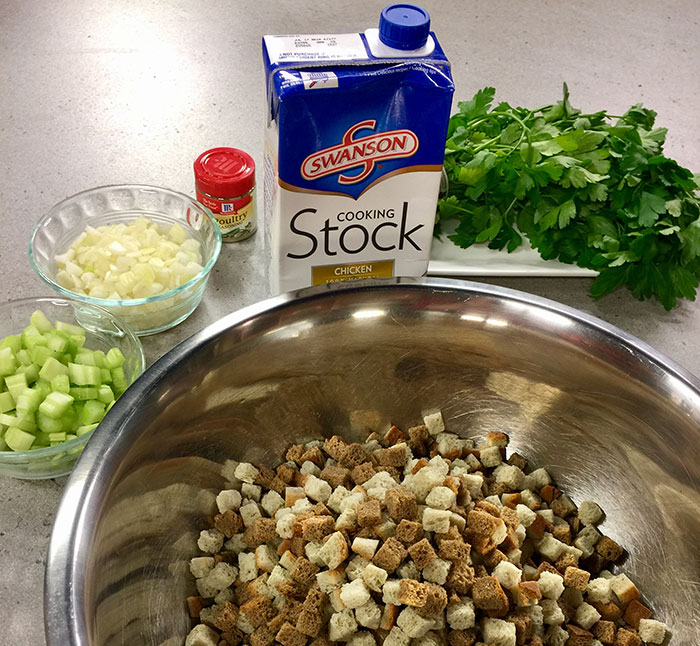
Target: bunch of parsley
593,190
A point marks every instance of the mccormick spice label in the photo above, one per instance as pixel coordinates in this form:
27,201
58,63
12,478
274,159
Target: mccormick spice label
354,148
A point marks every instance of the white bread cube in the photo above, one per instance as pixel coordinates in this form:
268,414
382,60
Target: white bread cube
355,593
623,588
434,422
210,541
440,464
369,614
521,534
385,530
228,472
247,566
436,520
459,521
390,592
335,600
652,631
202,635
222,576
236,544
587,539
200,566
498,632
551,585
249,512
251,491
206,590
551,612
380,480
397,637
278,575
460,616
530,499
599,591
284,526
246,472
317,489
572,597
473,462
347,520
265,558
292,494
459,467
550,547
473,483
507,574
352,501
336,497
243,624
539,478
334,550
227,594
589,513
494,500
536,615
586,616
556,636
526,515
412,623
282,511
567,504
425,481
309,468
341,625
547,514
228,499
330,580
408,570
515,557
302,505
259,587
287,560
313,552
441,498
355,567
510,475
271,502
490,456
365,547
374,577
362,638
448,442
436,571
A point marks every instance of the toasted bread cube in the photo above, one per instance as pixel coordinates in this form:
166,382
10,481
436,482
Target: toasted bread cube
369,513
609,549
624,589
635,612
576,578
397,637
497,631
303,571
386,529
390,592
288,635
604,631
589,513
652,631
461,616
527,593
490,456
422,553
409,532
488,595
374,577
336,602
390,555
626,637
341,625
401,504
316,528
271,502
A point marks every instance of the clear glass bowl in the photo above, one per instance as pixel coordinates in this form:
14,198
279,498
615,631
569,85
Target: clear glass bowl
104,331
57,230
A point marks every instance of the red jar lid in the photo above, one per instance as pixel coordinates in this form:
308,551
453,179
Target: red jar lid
224,172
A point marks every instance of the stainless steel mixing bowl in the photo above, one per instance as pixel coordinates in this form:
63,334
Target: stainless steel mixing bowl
612,419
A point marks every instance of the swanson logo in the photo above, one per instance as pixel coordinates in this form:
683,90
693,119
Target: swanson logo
362,153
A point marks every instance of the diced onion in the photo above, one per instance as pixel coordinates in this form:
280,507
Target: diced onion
123,261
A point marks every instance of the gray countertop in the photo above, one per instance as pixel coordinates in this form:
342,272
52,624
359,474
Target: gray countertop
132,91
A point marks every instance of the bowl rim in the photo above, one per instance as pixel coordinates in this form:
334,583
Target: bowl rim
64,588
17,458
126,302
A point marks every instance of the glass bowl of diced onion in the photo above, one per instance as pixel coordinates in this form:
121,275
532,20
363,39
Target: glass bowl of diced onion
143,253
39,441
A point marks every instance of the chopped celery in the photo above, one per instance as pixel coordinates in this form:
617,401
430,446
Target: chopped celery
106,375
13,342
109,406
31,372
93,411
99,358
61,384
85,358
118,380
40,354
24,422
7,402
16,384
52,368
55,404
82,375
83,393
69,420
28,401
79,340
48,424
57,343
18,440
81,430
114,359
8,363
44,387
40,322
69,328
55,438
31,337
23,357
105,394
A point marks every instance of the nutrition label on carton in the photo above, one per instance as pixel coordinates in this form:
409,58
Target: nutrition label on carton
315,48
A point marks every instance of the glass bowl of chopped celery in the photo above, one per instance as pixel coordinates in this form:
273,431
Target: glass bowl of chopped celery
143,253
63,364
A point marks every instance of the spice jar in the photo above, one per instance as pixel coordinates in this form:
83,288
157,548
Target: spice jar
225,182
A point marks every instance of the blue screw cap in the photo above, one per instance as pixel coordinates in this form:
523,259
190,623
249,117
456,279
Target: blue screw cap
404,26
